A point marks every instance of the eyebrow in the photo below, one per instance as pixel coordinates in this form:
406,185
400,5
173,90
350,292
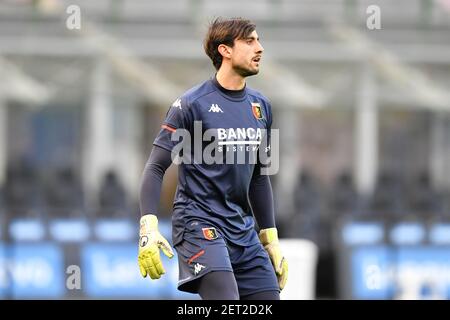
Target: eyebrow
251,38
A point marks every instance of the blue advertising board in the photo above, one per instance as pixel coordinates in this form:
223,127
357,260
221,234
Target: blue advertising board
110,270
407,272
31,271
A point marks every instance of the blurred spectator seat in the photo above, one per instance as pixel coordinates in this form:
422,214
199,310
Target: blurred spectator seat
362,233
27,230
2,216
21,190
64,195
305,221
2,200
424,200
344,198
309,223
69,230
439,234
116,230
407,233
113,200
123,229
388,198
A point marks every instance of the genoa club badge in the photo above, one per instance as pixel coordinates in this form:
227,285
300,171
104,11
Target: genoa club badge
209,233
256,108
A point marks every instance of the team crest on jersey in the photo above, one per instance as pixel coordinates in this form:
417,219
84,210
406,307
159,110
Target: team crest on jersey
209,233
256,108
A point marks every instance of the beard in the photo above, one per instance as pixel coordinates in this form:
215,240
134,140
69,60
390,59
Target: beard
245,71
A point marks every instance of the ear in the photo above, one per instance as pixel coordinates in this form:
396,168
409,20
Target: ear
224,50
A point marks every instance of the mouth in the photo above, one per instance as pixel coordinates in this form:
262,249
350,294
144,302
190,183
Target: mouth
257,59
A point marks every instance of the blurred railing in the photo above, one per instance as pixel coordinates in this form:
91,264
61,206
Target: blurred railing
404,12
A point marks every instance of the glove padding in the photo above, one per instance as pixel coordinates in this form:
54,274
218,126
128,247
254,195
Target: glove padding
150,242
269,239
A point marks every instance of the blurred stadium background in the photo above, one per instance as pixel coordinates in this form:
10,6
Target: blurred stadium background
364,140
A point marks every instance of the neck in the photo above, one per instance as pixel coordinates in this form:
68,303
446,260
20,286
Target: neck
229,79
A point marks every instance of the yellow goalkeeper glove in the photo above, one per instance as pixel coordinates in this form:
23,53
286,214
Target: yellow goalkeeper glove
150,241
269,239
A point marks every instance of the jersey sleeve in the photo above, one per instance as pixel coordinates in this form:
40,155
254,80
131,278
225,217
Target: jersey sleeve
177,117
260,190
152,179
265,152
269,126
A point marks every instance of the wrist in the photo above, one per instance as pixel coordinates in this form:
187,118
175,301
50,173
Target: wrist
148,223
269,235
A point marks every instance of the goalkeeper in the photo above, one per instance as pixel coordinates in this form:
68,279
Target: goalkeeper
220,254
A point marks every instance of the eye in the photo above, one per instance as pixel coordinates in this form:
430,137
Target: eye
249,41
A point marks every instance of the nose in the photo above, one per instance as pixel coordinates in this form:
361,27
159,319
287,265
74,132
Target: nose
260,48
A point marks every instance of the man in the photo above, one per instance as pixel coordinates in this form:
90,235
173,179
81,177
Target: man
219,253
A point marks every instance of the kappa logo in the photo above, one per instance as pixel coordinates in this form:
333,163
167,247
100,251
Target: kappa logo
215,108
177,104
209,233
198,268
